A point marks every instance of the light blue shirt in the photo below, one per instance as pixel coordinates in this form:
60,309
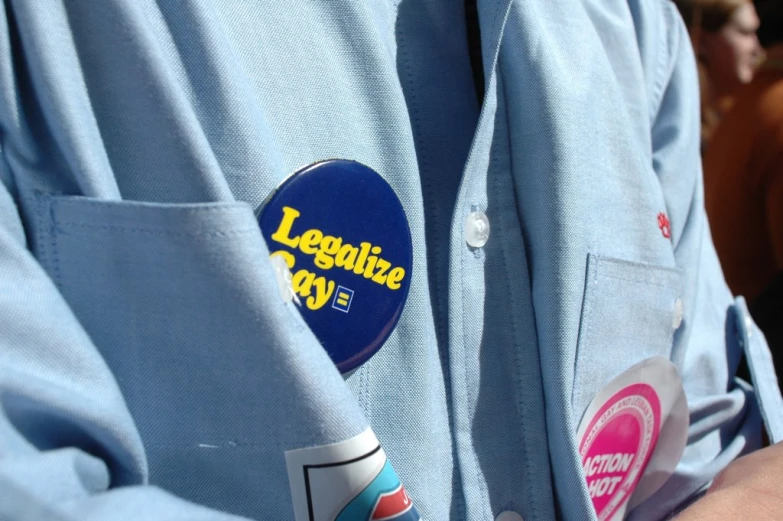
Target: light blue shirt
145,353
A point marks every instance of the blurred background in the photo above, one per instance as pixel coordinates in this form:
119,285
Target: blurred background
739,49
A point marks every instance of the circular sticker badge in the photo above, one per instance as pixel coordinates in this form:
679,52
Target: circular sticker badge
342,232
632,436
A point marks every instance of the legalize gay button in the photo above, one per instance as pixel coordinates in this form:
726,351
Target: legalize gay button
343,234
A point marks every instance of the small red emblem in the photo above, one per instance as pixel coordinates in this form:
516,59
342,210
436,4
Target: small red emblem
663,224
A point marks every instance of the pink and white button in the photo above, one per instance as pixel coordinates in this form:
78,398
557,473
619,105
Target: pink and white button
632,436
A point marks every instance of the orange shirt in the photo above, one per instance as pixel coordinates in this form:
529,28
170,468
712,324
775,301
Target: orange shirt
743,184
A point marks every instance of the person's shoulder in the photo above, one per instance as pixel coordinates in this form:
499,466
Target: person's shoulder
768,94
757,108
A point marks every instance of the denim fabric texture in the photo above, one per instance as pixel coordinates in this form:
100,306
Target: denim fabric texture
149,368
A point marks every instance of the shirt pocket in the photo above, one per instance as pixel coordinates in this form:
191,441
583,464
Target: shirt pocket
220,375
630,312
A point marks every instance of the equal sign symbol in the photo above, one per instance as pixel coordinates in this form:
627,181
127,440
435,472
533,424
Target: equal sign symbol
342,299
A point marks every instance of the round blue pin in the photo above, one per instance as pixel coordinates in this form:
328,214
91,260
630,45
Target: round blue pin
343,234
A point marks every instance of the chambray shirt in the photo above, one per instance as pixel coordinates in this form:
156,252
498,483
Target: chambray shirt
149,368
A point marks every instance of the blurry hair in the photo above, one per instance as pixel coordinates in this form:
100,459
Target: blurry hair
706,16
771,15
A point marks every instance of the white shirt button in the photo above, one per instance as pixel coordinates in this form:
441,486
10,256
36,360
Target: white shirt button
476,229
679,310
508,516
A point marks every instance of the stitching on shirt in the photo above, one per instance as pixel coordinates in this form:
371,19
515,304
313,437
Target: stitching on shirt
642,281
39,209
120,206
642,273
514,325
46,246
207,446
462,506
53,241
585,332
471,395
150,231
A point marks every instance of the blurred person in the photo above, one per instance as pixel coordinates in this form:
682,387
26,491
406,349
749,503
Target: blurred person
723,33
743,170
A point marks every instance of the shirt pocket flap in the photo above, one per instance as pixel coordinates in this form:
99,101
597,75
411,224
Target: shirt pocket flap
629,313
